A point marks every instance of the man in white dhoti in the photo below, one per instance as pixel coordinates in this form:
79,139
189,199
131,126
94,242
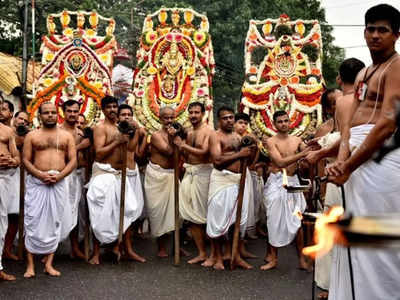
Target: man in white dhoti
224,188
104,188
371,188
159,181
282,221
328,138
75,180
193,192
49,155
9,160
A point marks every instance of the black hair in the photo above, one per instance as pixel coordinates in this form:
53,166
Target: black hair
124,106
242,116
201,105
107,100
279,113
19,112
349,69
384,12
82,115
224,108
10,106
43,103
69,103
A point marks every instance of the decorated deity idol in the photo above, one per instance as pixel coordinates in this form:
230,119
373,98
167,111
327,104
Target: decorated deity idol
76,64
175,66
283,72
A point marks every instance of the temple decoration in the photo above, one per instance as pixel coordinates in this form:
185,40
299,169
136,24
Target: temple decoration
175,66
283,72
76,63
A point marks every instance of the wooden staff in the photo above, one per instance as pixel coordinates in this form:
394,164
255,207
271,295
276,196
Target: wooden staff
176,194
124,151
235,242
21,211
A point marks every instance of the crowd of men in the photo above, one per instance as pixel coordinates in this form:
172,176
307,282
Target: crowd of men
62,201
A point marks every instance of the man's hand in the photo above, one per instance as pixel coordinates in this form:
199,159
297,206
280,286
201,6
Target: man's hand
48,178
171,131
178,141
337,168
122,138
246,151
313,157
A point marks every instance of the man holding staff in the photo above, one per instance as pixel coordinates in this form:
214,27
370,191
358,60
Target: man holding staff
370,188
9,160
104,193
282,222
159,181
224,188
49,155
193,192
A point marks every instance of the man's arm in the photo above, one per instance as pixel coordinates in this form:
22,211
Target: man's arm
99,137
71,157
27,157
221,160
276,157
12,146
142,143
192,150
161,145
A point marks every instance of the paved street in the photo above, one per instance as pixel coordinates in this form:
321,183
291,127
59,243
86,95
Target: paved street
158,279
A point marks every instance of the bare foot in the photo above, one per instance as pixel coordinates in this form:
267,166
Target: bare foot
162,253
241,263
77,253
51,271
227,256
115,256
323,295
44,259
7,277
219,265
246,254
197,259
268,258
271,265
94,260
303,265
134,256
9,255
209,262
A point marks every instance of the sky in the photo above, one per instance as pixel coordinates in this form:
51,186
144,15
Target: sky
351,12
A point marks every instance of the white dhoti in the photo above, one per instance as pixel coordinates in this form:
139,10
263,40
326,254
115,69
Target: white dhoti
74,192
222,202
6,197
159,187
10,190
104,196
44,208
282,220
193,193
372,189
258,187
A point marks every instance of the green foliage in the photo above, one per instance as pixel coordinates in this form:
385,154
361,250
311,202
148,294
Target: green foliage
282,30
229,21
311,51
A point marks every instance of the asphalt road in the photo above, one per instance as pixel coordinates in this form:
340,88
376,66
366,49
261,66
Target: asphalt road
159,279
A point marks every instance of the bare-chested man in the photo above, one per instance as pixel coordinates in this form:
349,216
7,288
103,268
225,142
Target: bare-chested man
21,128
75,180
370,188
195,183
104,191
49,155
282,223
9,160
224,188
159,181
7,111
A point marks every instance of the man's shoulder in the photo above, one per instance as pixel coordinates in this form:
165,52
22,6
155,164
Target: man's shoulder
6,129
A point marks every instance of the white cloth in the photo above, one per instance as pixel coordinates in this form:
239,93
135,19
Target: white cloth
372,189
159,187
10,181
222,202
44,207
4,200
104,196
74,192
281,206
258,187
193,193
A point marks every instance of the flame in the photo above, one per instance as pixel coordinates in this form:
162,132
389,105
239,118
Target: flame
324,234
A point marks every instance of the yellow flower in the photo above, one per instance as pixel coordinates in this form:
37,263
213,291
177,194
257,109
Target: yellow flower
68,32
90,32
190,71
98,85
151,37
49,56
47,82
151,70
